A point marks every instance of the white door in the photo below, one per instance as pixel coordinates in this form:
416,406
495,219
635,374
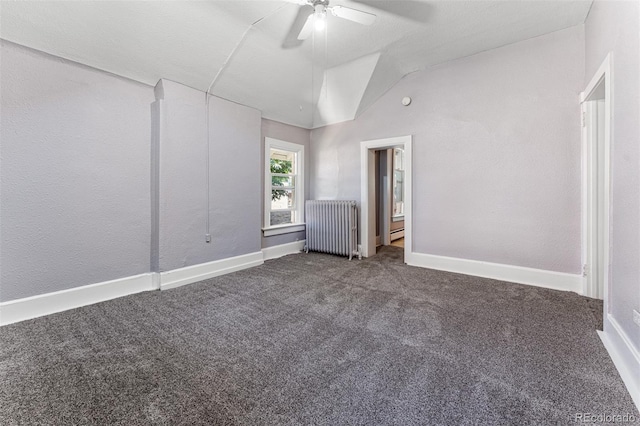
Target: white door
597,193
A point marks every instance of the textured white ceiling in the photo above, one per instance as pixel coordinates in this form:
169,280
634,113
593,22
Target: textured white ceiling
191,42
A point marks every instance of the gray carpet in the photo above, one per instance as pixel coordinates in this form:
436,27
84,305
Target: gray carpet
315,339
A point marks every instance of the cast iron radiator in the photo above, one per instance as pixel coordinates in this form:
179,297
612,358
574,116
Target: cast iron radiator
332,227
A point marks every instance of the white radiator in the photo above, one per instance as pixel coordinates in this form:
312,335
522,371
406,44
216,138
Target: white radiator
332,227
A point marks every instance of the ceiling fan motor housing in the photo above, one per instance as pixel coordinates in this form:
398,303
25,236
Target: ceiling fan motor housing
318,17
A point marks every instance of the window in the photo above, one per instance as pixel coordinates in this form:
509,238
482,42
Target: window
284,187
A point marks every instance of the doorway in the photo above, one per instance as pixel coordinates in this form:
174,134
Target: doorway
381,174
389,193
596,149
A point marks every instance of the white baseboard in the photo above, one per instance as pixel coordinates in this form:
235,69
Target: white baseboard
203,271
624,356
50,303
155,280
283,250
497,271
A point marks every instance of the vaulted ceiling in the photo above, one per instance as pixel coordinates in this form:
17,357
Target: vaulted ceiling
330,77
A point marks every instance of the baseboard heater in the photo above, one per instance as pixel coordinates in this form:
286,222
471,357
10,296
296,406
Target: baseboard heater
332,227
397,234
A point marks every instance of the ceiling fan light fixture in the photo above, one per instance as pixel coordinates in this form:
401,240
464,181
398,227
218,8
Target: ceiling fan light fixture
317,19
320,17
320,23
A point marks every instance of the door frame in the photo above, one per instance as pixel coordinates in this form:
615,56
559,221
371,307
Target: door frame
367,192
589,179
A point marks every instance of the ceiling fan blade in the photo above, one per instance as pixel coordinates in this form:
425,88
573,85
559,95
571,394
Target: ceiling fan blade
354,15
300,2
306,31
291,40
415,10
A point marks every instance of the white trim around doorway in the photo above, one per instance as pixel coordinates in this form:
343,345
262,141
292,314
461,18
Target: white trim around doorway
367,192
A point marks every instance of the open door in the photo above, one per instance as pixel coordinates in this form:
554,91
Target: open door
596,185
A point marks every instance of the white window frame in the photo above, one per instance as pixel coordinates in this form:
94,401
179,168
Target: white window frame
268,230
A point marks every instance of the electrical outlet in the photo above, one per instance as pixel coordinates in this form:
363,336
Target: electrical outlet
636,317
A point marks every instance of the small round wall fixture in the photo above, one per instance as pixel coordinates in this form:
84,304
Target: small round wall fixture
406,101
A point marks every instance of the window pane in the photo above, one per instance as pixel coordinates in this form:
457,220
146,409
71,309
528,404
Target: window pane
282,199
282,218
283,181
282,161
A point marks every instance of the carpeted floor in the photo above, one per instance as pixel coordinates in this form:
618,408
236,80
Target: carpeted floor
315,339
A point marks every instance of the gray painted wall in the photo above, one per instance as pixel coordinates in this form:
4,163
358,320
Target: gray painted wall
100,182
288,133
235,210
496,162
74,174
613,27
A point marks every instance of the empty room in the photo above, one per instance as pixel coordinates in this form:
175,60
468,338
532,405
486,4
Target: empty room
319,212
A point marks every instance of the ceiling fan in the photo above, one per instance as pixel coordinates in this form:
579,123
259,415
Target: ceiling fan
317,18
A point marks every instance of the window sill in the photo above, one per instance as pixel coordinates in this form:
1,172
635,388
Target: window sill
283,229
